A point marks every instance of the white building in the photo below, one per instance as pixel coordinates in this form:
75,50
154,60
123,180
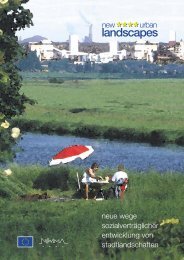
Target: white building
181,50
122,54
113,47
178,49
74,54
105,57
144,50
44,49
113,54
74,44
61,54
94,57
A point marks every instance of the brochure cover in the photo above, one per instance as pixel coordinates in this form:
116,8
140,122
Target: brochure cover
91,129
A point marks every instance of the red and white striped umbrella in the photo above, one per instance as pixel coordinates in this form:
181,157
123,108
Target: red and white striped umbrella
71,153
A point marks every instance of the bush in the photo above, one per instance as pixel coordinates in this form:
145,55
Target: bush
55,178
47,128
4,193
60,130
180,140
11,187
77,110
127,134
157,137
170,239
30,62
56,80
88,131
51,127
6,145
27,125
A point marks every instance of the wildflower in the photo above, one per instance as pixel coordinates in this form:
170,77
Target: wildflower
170,221
3,2
5,124
15,132
7,172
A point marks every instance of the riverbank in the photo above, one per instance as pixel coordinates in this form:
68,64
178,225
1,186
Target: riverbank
132,110
151,197
155,137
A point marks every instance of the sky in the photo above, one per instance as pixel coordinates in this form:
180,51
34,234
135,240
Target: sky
57,19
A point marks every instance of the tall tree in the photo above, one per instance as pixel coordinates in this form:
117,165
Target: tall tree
13,17
30,62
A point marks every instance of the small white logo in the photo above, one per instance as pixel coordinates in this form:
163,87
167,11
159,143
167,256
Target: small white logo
47,242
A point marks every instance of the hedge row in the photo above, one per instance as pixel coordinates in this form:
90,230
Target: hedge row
155,137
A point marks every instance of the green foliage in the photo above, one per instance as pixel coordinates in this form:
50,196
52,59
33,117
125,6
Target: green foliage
170,239
88,131
57,178
29,62
11,187
27,125
13,17
61,65
12,102
157,137
119,69
6,144
68,220
56,80
180,140
35,126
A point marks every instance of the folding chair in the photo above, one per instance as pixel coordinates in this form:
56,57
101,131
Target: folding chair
81,187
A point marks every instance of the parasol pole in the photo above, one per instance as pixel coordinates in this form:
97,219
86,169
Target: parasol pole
78,181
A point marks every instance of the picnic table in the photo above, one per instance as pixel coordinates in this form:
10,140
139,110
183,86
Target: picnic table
99,187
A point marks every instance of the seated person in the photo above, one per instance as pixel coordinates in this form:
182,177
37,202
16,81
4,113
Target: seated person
89,177
120,178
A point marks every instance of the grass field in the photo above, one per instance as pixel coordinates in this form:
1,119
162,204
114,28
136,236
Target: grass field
151,198
140,105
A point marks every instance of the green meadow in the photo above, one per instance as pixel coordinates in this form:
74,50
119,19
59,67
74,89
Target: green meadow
150,199
126,109
141,106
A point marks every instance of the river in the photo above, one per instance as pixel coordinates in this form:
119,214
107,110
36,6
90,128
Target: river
40,148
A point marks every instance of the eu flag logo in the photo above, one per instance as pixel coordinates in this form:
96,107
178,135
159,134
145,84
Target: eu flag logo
25,241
